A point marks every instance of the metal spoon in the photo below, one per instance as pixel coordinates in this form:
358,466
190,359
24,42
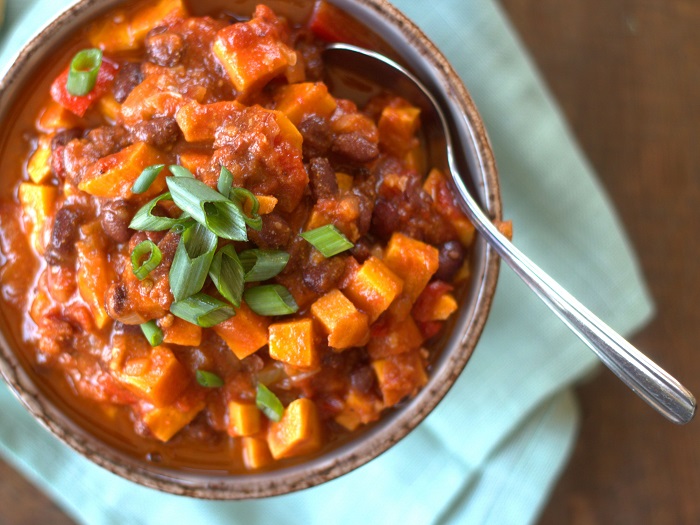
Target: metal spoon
637,371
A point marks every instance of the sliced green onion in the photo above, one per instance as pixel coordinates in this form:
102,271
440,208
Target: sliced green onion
148,175
203,310
192,260
208,379
227,273
142,269
180,171
240,196
225,182
261,265
82,75
209,208
327,240
144,220
268,403
152,332
270,299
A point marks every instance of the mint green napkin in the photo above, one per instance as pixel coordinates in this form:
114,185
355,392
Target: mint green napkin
493,448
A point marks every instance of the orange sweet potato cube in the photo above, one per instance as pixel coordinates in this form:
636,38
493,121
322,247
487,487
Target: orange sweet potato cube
360,408
292,342
199,122
256,452
157,378
373,287
298,101
180,332
56,117
399,337
165,422
437,187
267,205
95,276
38,202
245,333
400,376
253,53
114,175
194,161
298,432
413,261
39,165
243,419
345,325
397,128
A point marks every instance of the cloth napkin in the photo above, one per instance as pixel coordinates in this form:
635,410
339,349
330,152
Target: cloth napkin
493,448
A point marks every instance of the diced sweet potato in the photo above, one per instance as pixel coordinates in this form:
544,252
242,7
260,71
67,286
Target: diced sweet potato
398,337
39,165
292,342
253,53
243,419
95,276
112,176
345,325
298,432
109,107
506,228
157,378
199,122
360,408
256,452
267,205
56,117
400,376
373,287
298,101
344,181
165,422
397,128
436,303
38,202
128,34
195,162
177,331
244,333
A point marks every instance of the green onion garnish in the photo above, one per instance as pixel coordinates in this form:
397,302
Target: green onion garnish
225,182
270,299
192,259
152,332
327,240
208,207
148,175
142,269
208,379
180,171
227,273
144,220
260,265
203,310
268,403
241,195
82,75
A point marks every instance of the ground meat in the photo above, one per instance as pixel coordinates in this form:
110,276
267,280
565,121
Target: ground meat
317,135
451,258
61,248
164,47
159,132
115,217
275,233
321,275
108,139
128,77
322,179
355,147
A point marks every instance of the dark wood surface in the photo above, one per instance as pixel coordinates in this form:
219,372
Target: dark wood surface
627,76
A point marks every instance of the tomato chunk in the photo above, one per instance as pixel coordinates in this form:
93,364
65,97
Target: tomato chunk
79,105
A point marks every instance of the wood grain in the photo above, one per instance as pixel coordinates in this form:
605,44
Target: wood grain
627,76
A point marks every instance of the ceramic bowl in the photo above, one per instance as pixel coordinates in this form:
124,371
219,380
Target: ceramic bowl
414,49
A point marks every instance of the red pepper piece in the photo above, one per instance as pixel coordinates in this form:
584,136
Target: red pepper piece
80,104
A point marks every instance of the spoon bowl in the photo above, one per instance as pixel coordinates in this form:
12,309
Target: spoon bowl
655,386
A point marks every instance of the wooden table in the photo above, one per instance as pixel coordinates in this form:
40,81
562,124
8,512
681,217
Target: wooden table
627,76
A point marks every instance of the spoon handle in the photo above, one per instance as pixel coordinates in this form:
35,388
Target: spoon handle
643,376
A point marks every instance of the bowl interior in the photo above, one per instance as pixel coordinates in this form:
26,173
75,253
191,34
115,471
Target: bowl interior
412,48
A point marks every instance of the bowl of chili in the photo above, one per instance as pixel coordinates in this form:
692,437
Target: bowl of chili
224,274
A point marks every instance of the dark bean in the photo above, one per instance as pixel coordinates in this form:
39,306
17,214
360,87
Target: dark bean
108,139
362,379
61,248
355,147
321,276
164,47
159,132
115,217
322,179
451,258
316,132
63,137
362,249
128,77
275,233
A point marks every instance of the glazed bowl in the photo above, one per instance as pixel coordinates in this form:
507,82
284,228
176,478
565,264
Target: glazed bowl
410,46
